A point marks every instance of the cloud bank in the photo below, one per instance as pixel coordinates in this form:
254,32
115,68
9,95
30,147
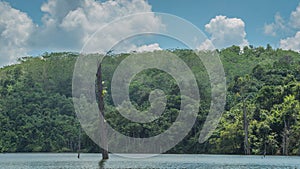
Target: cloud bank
67,25
15,31
289,26
291,43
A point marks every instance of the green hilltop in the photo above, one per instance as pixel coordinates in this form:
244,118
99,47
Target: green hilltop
263,103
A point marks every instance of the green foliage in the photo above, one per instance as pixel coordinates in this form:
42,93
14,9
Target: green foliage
274,97
37,114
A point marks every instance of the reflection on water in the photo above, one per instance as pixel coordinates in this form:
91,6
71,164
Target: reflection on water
102,164
92,161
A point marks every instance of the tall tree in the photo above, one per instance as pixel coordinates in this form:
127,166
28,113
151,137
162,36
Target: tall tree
245,88
290,109
101,110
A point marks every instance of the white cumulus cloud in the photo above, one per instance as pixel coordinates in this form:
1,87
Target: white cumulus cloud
295,18
147,48
67,24
270,29
285,29
278,25
291,43
226,32
129,46
206,45
15,30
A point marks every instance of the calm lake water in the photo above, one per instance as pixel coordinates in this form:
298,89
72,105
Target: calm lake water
91,161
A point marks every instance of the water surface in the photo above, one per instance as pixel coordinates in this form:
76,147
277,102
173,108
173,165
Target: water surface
91,161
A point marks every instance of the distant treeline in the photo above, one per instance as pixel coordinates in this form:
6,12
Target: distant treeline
262,112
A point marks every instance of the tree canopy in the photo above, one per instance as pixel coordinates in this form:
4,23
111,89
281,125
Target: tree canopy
263,88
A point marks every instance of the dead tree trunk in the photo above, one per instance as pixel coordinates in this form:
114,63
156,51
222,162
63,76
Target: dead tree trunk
103,135
285,138
246,130
79,142
265,145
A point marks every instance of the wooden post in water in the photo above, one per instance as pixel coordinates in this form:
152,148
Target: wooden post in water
79,142
99,92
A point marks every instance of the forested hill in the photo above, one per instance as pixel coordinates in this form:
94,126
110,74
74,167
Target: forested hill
37,114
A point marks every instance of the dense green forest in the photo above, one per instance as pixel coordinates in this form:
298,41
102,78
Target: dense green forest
262,112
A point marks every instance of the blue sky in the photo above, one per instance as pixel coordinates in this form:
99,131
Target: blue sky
255,14
63,25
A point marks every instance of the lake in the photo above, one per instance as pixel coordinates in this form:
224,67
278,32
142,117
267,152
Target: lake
91,161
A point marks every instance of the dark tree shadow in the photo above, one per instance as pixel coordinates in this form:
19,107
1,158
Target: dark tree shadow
102,164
